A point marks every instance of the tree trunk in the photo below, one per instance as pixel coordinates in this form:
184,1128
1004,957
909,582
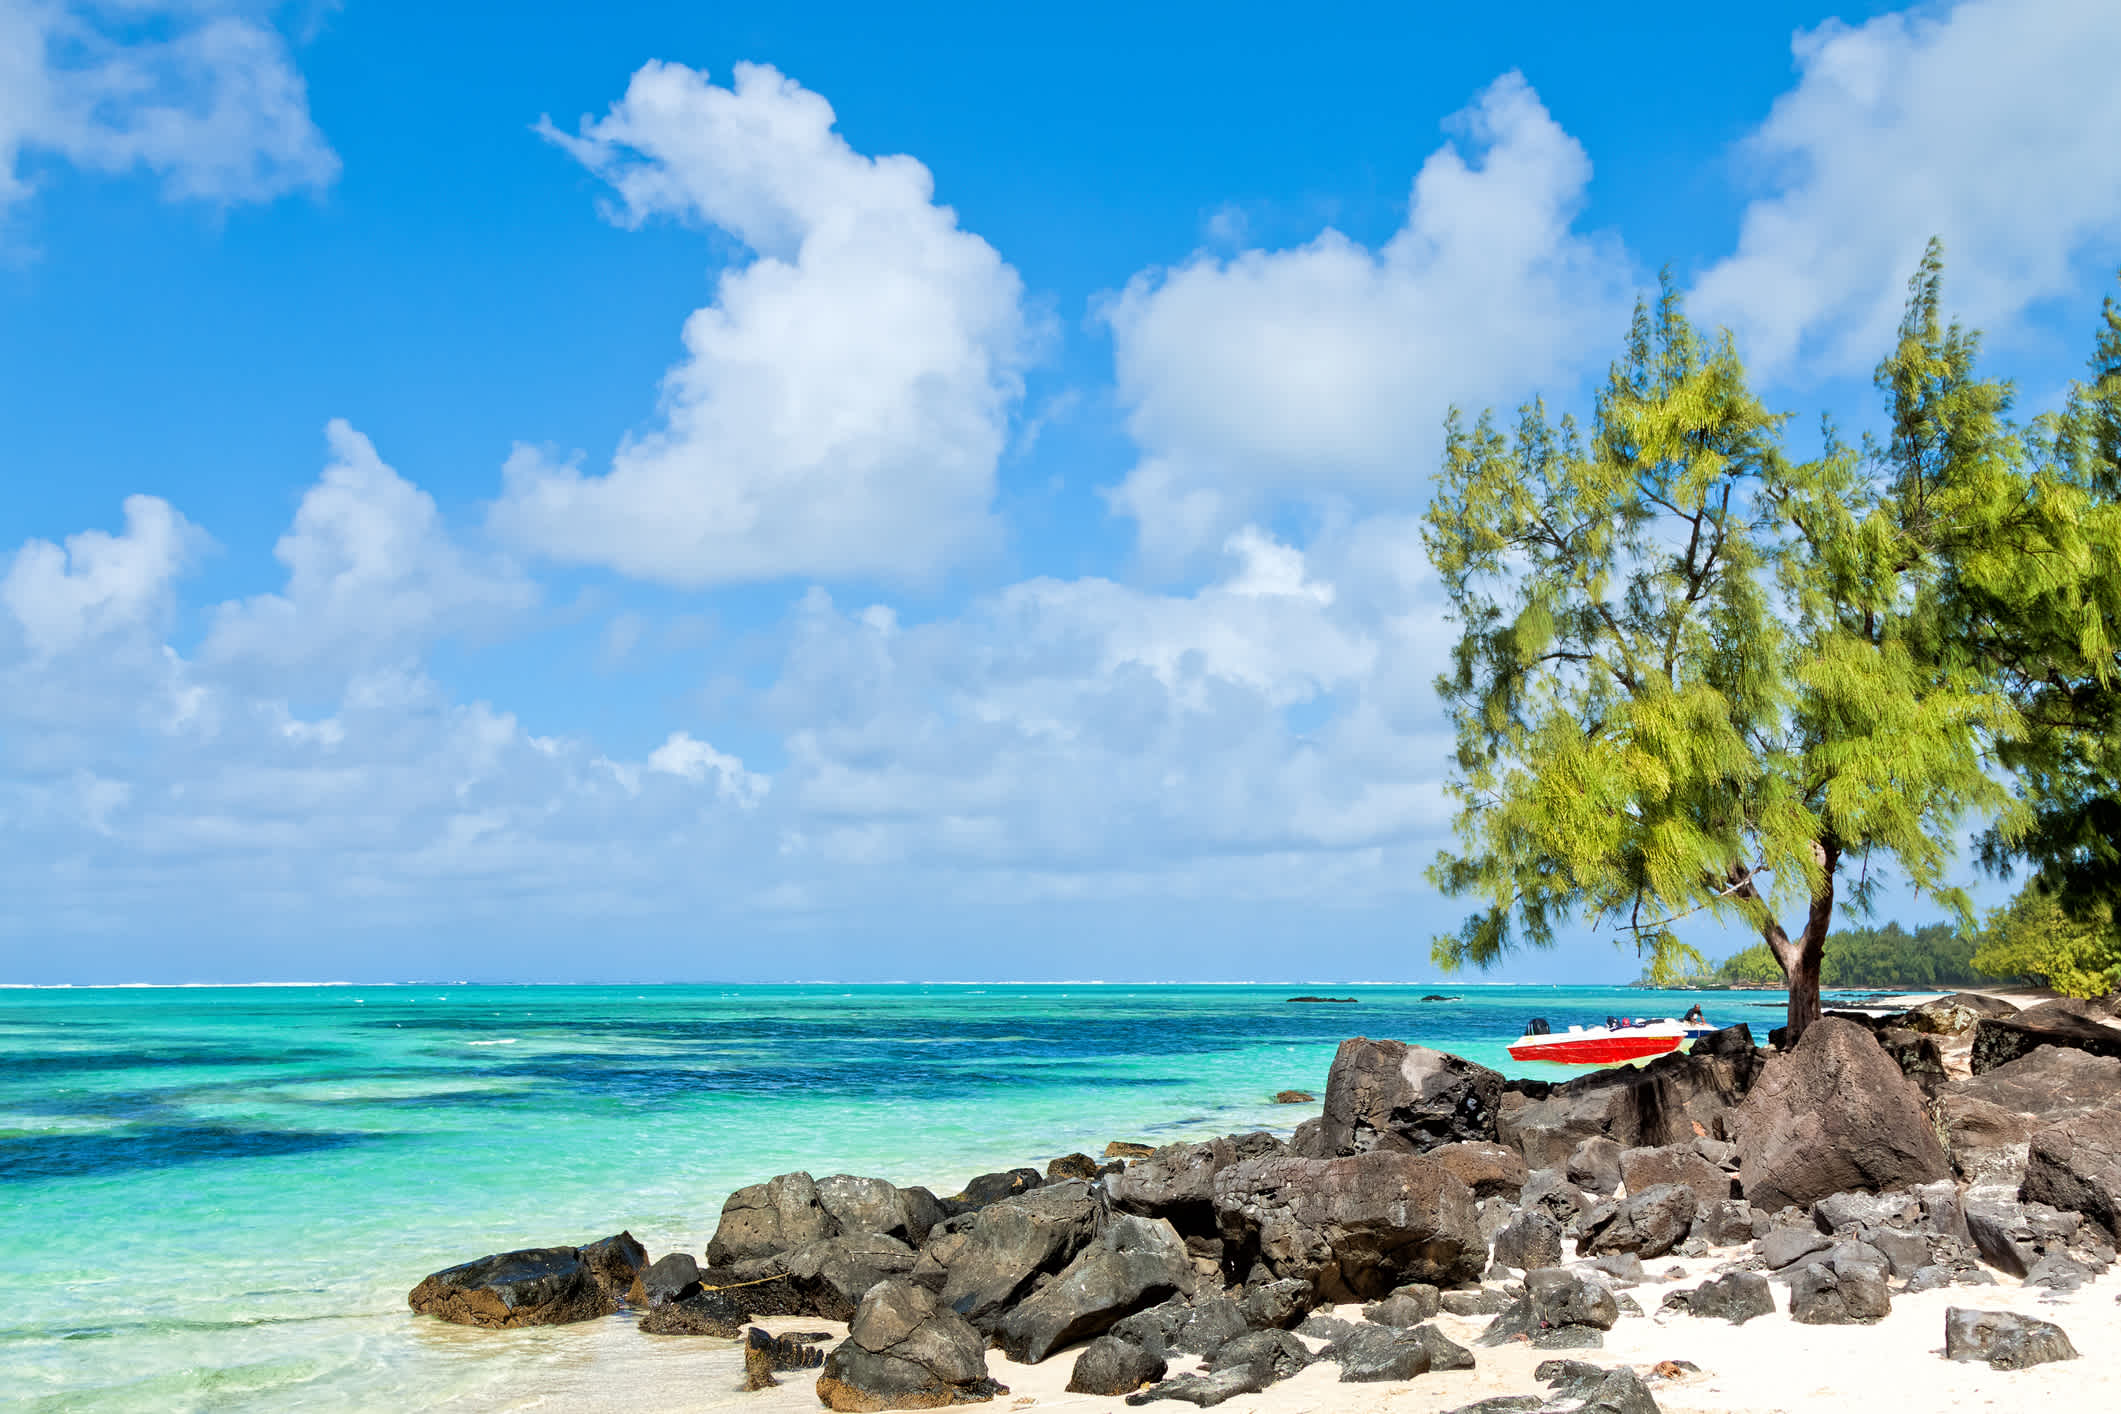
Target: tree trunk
1802,957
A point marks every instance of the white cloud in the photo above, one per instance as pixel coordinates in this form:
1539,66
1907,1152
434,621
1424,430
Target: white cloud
1991,124
371,574
842,403
98,584
695,761
202,93
1327,369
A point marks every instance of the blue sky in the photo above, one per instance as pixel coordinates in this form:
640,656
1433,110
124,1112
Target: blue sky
702,492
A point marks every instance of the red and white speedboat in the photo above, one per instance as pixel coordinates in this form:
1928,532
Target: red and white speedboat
1606,1045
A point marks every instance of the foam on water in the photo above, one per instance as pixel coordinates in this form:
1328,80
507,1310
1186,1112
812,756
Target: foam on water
217,1198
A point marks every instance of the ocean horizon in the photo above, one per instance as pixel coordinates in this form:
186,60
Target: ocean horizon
221,1194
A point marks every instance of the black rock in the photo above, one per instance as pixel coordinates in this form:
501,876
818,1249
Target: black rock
2006,1340
537,1286
1736,1297
1408,1306
1376,1353
1207,1391
1282,1352
765,1354
665,1279
906,1350
1275,1305
1648,1224
1531,1239
1839,1292
697,1312
1134,1263
1109,1365
1213,1324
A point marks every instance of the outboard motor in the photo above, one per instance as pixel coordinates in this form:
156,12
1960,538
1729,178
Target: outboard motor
1539,1027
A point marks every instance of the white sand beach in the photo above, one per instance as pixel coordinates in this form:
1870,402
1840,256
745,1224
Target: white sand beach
1770,1365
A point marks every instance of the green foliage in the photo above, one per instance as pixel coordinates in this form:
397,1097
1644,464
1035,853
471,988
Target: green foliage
1936,955
2047,615
2034,937
1696,675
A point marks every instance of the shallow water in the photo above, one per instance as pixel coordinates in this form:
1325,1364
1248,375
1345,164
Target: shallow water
217,1198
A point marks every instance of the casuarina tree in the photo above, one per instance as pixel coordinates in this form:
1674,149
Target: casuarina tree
2045,610
1697,676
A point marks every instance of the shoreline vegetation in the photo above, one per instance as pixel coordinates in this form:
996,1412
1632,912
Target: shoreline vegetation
1438,1231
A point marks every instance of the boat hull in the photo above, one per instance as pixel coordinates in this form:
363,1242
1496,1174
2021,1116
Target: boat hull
1594,1050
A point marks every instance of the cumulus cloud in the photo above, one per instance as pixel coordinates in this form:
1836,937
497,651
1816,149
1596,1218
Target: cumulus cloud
1327,369
372,572
842,403
1084,738
1990,123
98,584
202,93
696,761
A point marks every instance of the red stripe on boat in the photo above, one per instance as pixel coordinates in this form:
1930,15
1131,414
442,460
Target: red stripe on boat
1595,1050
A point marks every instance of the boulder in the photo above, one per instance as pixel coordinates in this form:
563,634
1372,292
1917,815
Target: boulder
1727,1222
1490,1170
1210,1326
1128,1149
906,1350
1374,1353
1674,1163
1843,1289
1989,1119
1305,1142
1330,1329
616,1262
1919,1056
834,1275
537,1286
767,1219
1355,1227
1532,1239
1477,1301
1999,1041
1551,1193
932,1268
1175,1183
1134,1263
1295,1097
2076,1166
1390,1096
665,1279
1736,1297
1072,1166
1014,1241
2006,1340
1841,1213
1409,1306
698,1312
1583,1388
1561,1297
1594,1165
1275,1305
1831,1115
857,1205
1282,1353
1648,1224
993,1187
1207,1391
1111,1366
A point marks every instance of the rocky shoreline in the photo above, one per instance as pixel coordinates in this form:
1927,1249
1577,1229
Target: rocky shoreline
1433,1226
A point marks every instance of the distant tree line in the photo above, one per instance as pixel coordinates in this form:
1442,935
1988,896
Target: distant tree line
1935,955
2031,939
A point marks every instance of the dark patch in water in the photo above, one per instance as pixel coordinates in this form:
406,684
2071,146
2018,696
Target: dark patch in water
101,1155
90,1062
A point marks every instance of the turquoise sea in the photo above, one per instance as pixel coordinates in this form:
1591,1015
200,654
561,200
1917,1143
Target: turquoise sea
216,1198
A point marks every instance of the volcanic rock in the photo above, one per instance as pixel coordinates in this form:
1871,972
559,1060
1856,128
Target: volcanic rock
1353,1227
1831,1115
906,1350
2006,1340
537,1286
1387,1095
